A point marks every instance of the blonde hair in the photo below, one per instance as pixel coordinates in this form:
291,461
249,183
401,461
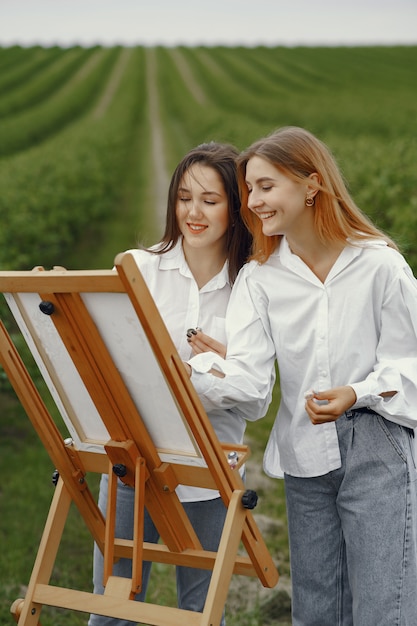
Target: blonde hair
297,153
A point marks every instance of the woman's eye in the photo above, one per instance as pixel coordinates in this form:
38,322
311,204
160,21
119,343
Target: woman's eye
184,199
212,202
266,187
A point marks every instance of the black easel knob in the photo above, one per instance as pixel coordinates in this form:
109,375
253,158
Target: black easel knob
55,477
120,470
250,499
47,307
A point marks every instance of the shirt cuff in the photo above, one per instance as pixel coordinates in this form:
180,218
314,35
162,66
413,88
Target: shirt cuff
203,363
366,394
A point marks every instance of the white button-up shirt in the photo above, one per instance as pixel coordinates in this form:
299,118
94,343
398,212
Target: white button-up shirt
183,305
358,328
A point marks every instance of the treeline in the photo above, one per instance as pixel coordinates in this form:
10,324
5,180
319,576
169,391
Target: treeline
75,127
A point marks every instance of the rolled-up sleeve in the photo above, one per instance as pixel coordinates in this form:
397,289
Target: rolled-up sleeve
396,367
248,370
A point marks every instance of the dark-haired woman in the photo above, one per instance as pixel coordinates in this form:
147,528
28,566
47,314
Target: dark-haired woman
190,274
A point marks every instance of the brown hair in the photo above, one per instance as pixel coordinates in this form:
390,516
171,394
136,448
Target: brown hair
222,158
297,153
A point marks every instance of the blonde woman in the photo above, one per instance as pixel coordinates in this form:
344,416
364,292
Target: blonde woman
329,297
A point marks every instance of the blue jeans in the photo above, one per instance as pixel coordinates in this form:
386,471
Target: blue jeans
353,531
207,518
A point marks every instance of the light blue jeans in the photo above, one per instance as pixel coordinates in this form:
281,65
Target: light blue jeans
353,532
207,518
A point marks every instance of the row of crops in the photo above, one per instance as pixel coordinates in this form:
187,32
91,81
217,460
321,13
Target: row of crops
88,140
76,133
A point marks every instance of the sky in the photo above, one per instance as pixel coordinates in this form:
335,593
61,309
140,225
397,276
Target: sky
208,22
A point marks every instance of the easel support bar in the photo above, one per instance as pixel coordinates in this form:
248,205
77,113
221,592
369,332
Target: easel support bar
50,435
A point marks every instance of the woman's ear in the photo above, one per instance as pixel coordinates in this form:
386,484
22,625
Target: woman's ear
313,182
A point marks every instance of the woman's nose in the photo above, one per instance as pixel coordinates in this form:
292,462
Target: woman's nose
194,208
254,200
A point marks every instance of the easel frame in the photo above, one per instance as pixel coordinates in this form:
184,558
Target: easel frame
129,447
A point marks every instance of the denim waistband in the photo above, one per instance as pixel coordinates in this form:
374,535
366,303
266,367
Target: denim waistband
364,409
361,409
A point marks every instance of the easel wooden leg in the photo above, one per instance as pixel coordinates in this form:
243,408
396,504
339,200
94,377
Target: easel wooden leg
225,560
109,582
110,526
45,560
138,528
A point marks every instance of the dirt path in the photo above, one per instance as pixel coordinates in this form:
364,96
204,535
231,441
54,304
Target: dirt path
214,67
159,171
112,84
188,77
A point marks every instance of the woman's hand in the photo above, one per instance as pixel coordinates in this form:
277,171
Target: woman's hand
188,369
200,342
328,406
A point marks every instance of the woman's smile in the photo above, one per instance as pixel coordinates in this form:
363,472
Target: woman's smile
196,228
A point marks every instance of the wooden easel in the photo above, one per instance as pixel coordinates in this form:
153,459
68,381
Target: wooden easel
78,325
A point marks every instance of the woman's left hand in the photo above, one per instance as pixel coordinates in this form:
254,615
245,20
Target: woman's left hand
328,406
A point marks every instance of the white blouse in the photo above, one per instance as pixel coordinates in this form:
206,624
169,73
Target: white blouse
183,305
358,328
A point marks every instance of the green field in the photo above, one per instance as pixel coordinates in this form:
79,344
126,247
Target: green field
89,138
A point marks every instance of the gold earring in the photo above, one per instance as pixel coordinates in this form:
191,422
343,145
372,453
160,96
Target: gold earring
309,201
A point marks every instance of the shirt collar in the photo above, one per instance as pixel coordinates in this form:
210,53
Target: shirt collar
348,254
175,259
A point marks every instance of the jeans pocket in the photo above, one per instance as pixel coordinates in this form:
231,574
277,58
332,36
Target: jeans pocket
395,435
403,441
413,453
